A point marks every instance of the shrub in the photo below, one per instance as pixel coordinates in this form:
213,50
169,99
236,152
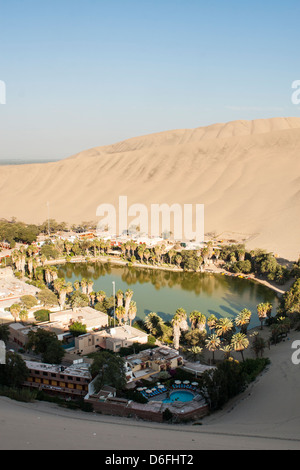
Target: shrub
42,315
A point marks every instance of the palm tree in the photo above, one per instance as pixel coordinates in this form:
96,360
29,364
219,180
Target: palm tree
212,321
120,297
90,285
15,309
100,295
239,343
195,353
62,289
76,285
264,310
141,250
243,319
154,324
223,326
147,254
120,314
179,324
84,285
226,350
128,297
198,320
132,312
178,260
171,254
213,343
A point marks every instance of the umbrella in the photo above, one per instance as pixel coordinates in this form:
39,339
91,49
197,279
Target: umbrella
194,383
186,382
148,391
140,389
178,381
161,386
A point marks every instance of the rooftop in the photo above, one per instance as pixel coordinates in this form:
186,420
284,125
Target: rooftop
156,354
75,370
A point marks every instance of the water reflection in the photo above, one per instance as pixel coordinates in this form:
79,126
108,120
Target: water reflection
164,291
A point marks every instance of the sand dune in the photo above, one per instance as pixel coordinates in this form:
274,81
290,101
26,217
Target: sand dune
247,173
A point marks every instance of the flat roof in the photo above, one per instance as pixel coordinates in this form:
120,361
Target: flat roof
76,370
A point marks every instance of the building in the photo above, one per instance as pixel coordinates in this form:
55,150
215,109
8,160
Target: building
150,362
92,318
67,382
113,339
19,332
59,323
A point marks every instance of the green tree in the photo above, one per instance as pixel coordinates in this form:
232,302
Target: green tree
14,372
47,344
77,328
47,298
4,332
42,315
28,301
108,369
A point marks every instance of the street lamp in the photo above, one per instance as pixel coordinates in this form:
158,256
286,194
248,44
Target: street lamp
114,295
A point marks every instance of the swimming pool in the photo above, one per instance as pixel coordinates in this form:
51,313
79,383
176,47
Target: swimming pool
180,395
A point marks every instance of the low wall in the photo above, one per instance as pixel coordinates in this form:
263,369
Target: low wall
132,409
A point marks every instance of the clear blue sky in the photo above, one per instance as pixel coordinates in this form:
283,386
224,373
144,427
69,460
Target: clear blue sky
83,73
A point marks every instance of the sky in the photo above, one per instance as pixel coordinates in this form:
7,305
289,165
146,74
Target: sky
85,73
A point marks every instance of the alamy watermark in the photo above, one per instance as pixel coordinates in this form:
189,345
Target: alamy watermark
296,93
179,222
2,352
2,92
296,354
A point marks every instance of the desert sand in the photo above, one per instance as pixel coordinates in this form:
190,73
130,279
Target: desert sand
266,416
247,173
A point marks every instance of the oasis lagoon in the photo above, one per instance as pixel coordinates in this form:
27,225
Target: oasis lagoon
163,292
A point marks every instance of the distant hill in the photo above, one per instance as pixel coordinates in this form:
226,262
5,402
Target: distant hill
247,173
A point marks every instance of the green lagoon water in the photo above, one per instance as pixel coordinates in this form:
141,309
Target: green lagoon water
164,292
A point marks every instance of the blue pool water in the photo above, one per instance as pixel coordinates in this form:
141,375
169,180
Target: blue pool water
181,395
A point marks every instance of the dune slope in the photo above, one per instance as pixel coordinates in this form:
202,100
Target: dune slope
247,173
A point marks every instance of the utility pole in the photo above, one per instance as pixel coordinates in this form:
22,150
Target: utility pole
114,296
48,220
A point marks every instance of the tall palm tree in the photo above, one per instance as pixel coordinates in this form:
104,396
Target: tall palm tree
120,314
179,323
263,310
213,343
171,254
120,297
198,320
239,343
90,285
128,297
212,321
76,285
243,319
132,312
15,309
84,285
178,259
